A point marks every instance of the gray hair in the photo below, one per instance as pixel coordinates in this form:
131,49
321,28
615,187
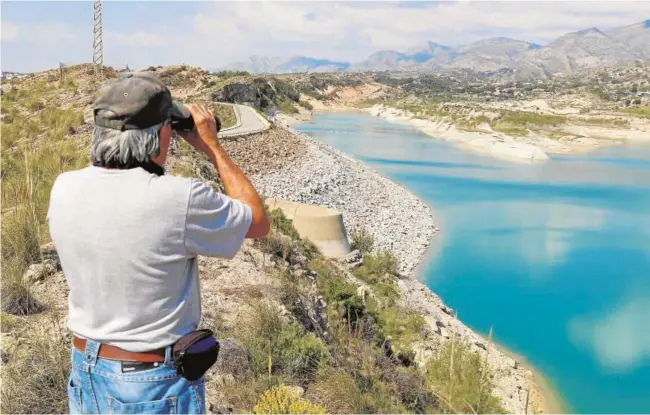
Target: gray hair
115,148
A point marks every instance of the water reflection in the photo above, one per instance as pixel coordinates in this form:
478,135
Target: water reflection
543,253
620,339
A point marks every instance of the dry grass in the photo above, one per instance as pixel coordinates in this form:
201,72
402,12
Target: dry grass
643,112
35,378
461,379
362,240
35,151
226,114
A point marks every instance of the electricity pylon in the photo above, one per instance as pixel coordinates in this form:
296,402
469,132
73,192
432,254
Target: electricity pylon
98,45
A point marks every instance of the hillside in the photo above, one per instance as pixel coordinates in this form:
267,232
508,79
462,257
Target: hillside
572,52
326,335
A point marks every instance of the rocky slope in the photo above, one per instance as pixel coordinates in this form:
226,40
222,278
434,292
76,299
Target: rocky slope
276,271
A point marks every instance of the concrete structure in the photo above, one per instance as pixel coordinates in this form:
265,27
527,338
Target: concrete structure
321,225
249,121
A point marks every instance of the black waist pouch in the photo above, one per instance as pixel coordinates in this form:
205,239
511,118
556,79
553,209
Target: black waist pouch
195,353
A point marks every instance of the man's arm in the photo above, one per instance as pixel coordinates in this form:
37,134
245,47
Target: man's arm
236,184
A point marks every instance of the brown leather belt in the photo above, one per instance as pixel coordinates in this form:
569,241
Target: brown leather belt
115,353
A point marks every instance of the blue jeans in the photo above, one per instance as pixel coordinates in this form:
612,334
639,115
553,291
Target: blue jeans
98,385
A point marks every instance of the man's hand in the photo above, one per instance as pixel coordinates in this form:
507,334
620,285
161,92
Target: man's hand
205,129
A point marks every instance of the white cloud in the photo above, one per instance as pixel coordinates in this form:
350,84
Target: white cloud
10,31
621,339
44,32
347,31
137,39
221,32
541,234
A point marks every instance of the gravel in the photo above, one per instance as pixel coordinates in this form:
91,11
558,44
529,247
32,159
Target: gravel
398,220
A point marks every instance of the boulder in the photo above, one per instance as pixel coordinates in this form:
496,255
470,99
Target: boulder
37,272
353,260
311,312
232,360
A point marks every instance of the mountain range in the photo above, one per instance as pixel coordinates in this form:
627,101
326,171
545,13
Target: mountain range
572,52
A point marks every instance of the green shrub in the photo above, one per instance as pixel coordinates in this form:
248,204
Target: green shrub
304,352
281,223
532,119
387,293
461,379
226,114
306,105
362,240
283,347
288,108
643,112
381,267
335,389
402,326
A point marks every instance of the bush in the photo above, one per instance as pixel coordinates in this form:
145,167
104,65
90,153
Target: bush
643,112
226,114
381,267
282,347
282,224
281,400
306,105
335,389
532,119
288,108
362,240
461,379
403,327
303,353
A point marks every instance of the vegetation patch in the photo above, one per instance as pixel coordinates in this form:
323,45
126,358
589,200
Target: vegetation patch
226,114
462,379
362,240
282,400
643,112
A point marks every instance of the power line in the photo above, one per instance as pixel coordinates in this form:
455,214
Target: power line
98,45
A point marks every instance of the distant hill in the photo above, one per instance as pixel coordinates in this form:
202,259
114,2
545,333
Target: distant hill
584,49
262,64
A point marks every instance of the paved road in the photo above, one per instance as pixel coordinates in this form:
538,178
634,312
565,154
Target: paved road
251,122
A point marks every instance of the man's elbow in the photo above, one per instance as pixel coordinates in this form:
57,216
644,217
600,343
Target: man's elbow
259,228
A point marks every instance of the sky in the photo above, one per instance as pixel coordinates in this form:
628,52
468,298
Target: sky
38,35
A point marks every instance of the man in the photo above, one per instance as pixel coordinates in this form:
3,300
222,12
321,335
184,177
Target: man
128,237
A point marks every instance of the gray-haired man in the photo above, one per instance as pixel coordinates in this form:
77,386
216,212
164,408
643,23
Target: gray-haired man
128,237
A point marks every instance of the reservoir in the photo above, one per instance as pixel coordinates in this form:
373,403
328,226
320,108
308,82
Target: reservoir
554,256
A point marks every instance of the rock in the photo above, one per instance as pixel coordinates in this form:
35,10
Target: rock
443,332
232,360
4,356
37,272
353,257
447,310
481,345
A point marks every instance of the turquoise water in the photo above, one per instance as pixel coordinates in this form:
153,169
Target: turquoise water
555,257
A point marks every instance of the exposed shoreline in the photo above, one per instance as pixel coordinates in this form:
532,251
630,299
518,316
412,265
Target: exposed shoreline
530,149
399,221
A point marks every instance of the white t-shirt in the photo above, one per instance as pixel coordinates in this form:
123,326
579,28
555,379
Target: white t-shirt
128,242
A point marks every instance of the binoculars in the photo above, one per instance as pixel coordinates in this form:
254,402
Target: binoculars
187,123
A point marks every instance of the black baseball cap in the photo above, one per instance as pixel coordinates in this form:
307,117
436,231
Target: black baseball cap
134,101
